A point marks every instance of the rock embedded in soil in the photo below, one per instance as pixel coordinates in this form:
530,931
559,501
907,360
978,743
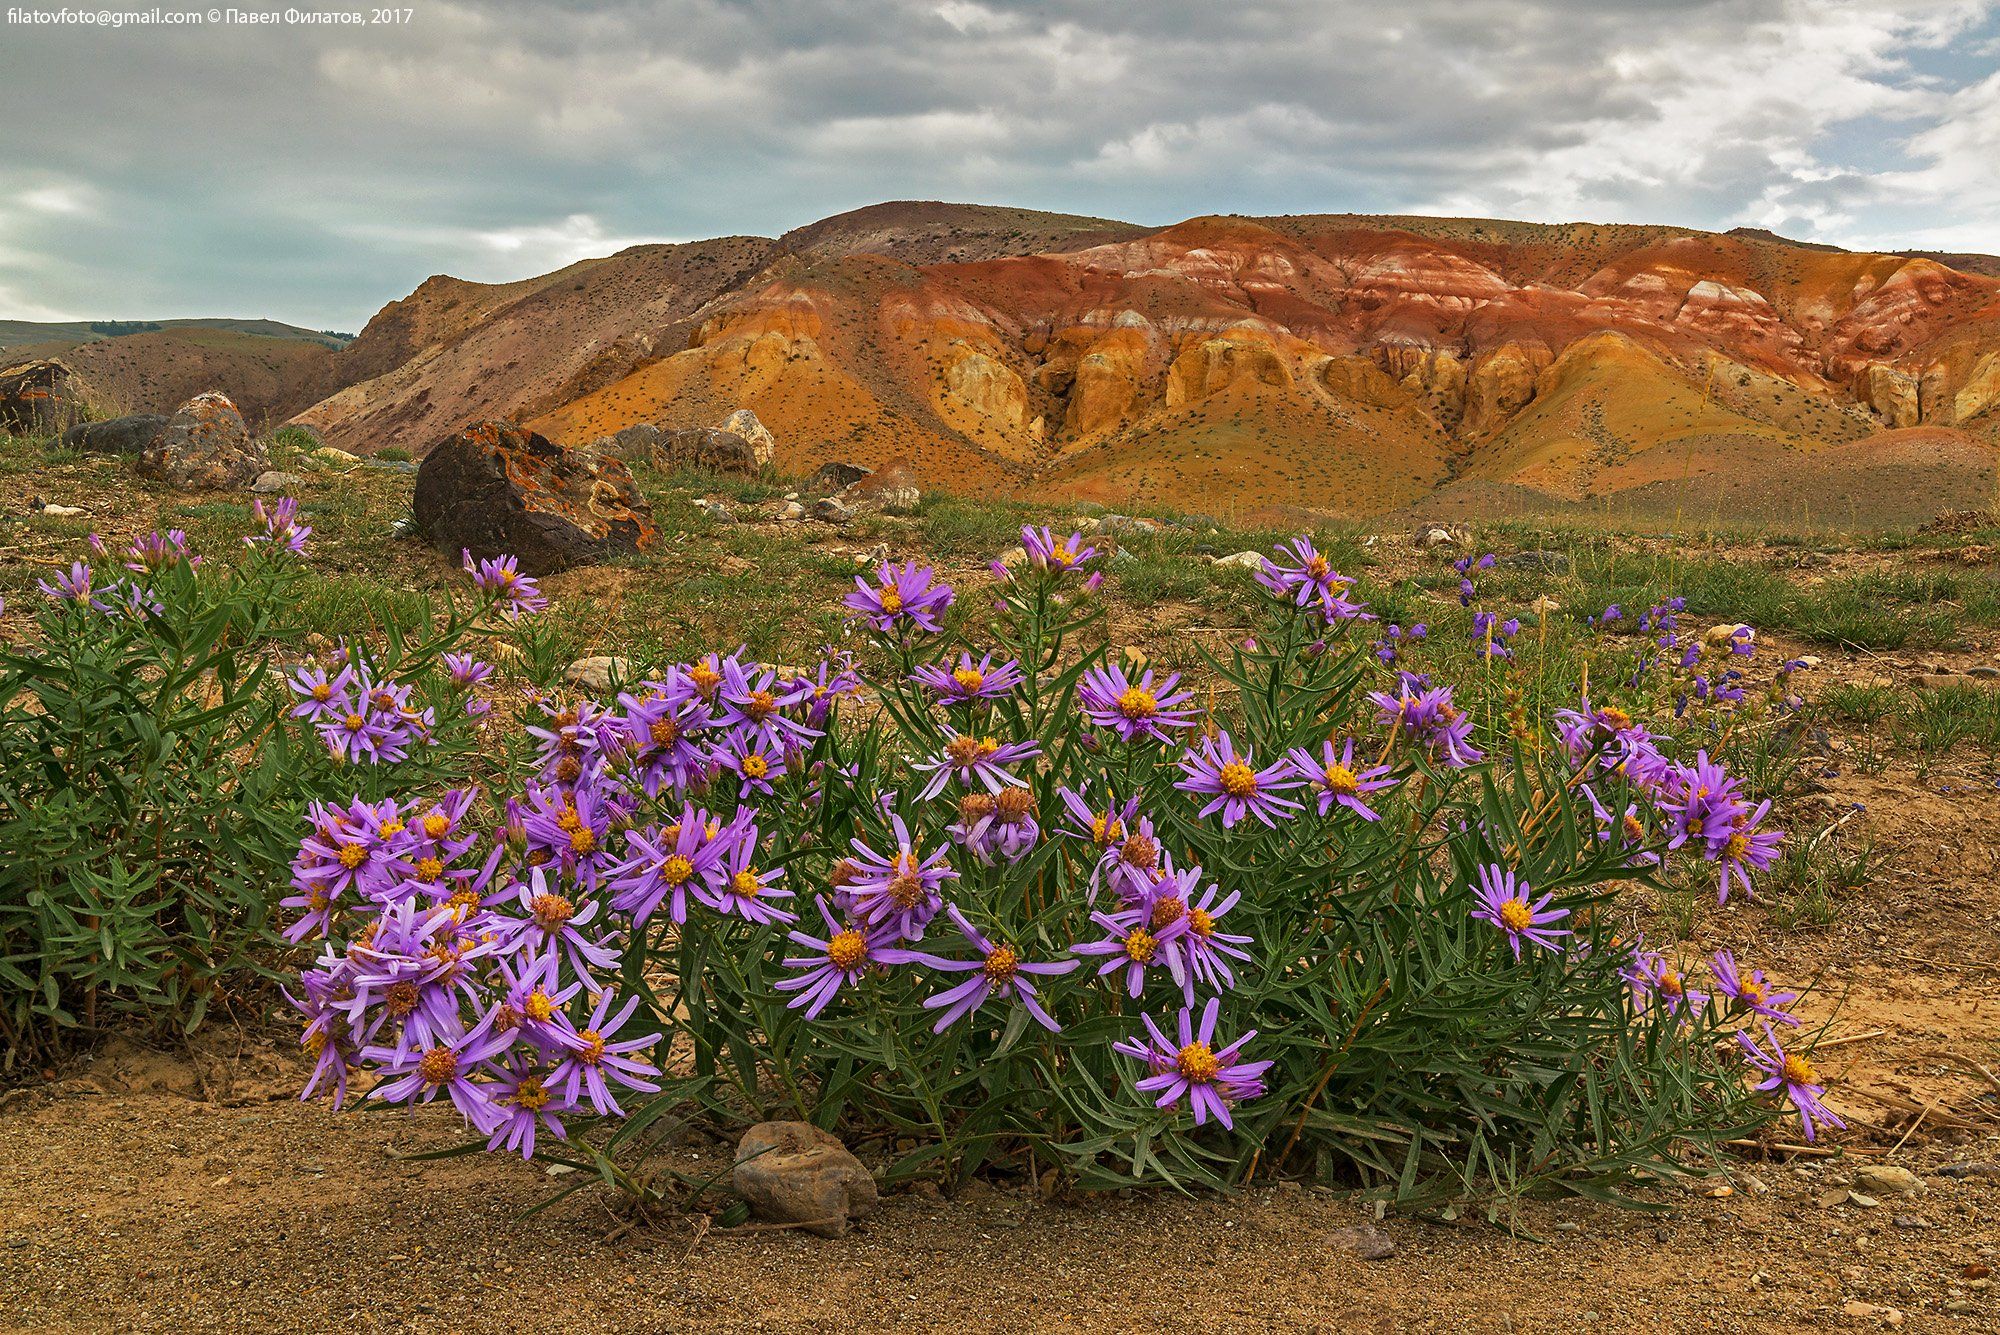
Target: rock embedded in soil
1363,1241
763,445
795,1173
499,489
892,490
204,447
120,435
706,447
276,483
598,672
1886,1180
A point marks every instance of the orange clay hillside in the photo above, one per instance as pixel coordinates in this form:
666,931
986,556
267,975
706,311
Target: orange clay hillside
1353,365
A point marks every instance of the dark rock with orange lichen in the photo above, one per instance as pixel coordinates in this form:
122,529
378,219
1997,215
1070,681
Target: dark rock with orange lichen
496,488
204,447
40,398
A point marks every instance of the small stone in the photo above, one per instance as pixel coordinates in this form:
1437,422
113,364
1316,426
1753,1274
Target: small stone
1886,1180
744,423
1964,1170
333,458
1435,537
791,511
795,1173
1826,1200
831,511
273,483
1134,657
1984,671
1243,560
203,446
62,511
1911,1221
1117,524
714,509
1014,558
1719,635
1363,1241
1865,1202
832,477
1544,605
598,672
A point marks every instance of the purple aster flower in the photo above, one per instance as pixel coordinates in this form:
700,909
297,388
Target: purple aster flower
321,696
997,828
1701,804
1131,944
500,579
753,757
447,1065
1234,785
752,696
1196,954
1337,780
1301,576
999,970
568,827
71,586
596,1057
742,890
1427,716
667,864
1750,994
1794,1074
969,681
1630,830
1134,709
840,959
158,551
523,1103
661,733
899,893
1045,553
902,593
466,671
554,925
282,531
1211,1079
976,762
1656,980
1747,848
1504,903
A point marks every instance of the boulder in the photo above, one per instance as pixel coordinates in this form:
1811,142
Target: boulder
120,435
204,446
795,1173
706,447
275,483
598,673
893,490
763,444
834,477
496,488
40,398
639,443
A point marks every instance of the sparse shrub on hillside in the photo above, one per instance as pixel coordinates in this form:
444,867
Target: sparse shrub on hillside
1006,904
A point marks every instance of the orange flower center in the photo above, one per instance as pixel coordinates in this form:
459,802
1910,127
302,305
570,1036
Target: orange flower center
1141,946
970,680
847,949
1138,703
1001,964
1341,781
1237,779
1197,1063
1517,916
438,1066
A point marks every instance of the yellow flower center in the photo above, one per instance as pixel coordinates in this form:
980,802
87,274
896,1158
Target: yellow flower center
970,680
1197,1063
755,766
1167,911
1341,781
704,677
352,856
892,598
592,1051
540,1006
429,869
676,870
552,911
1798,1071
665,732
1615,719
355,723
1750,992
438,1066
529,1094
1318,567
1734,850
746,885
391,828
437,825
1001,964
761,705
567,819
1670,984
1201,922
1517,916
583,840
1140,946
1137,703
847,949
1237,779
322,692
1105,831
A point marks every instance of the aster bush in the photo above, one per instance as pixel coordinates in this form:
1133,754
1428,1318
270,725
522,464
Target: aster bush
995,901
154,768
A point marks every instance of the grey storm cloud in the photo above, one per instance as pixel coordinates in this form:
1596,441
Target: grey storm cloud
312,174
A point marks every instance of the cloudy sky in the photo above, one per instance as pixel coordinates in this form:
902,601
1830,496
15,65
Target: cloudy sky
311,175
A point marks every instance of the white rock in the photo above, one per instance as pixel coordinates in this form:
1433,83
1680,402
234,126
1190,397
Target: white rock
1243,560
597,672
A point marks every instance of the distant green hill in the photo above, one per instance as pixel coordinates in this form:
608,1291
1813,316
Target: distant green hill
47,335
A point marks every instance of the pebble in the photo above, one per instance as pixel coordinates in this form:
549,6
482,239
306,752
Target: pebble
1886,1180
1984,671
1363,1241
1911,1221
715,510
1242,560
273,482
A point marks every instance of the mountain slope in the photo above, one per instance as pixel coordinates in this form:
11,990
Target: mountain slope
1352,364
